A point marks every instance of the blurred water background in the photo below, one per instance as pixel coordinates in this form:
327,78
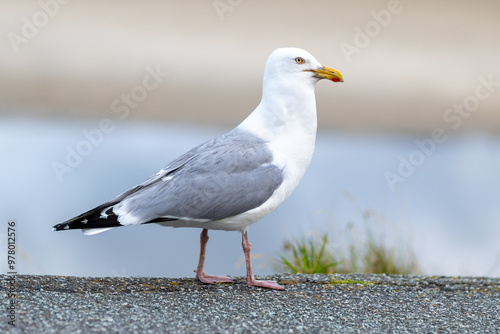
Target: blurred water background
129,86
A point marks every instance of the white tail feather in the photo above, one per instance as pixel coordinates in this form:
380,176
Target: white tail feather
92,231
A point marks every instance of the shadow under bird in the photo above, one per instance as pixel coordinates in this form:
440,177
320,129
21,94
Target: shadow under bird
232,181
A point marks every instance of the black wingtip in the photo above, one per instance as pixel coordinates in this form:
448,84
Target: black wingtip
89,220
61,227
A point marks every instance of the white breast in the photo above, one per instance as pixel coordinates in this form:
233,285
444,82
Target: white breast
292,145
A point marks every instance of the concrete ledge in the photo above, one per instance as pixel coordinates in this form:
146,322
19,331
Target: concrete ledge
310,303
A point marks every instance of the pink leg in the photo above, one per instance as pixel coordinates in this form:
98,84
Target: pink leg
247,246
200,271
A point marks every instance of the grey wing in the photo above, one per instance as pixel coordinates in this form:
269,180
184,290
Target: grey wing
222,178
103,215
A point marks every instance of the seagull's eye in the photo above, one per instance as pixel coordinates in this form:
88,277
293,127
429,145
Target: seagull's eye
299,60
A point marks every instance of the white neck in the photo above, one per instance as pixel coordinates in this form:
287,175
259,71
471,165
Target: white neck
286,119
284,108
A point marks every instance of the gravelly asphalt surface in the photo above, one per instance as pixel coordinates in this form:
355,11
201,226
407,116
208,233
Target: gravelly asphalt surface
310,304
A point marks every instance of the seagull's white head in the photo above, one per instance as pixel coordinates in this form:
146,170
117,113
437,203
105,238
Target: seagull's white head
294,65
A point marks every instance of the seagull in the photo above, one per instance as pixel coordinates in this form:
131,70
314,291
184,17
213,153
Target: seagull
234,180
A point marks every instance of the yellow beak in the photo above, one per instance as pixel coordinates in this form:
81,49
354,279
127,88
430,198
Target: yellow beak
327,73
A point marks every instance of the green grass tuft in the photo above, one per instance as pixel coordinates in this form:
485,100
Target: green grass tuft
364,253
308,257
